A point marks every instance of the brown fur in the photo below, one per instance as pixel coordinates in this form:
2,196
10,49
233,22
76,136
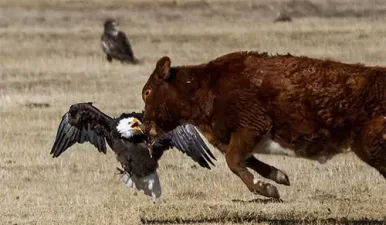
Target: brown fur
315,107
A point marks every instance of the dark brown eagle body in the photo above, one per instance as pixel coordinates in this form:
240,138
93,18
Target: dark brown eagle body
115,44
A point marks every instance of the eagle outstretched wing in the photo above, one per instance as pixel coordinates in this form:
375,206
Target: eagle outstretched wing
187,139
82,123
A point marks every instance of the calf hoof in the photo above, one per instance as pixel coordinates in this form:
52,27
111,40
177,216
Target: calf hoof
265,189
279,177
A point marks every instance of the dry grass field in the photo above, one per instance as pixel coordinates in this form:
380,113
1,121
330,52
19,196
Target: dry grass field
50,58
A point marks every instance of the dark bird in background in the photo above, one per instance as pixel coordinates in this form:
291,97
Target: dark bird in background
282,17
137,153
115,43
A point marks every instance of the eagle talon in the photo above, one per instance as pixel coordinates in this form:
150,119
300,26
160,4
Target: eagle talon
120,171
150,148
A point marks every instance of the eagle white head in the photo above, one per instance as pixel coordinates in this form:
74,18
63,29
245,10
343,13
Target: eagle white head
128,127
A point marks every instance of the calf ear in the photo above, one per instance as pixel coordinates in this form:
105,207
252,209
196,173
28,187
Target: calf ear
163,67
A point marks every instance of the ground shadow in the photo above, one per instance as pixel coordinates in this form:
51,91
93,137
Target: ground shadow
259,219
259,200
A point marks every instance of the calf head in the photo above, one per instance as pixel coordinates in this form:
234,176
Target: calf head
165,98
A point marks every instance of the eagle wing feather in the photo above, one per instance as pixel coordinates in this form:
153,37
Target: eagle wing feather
83,123
187,139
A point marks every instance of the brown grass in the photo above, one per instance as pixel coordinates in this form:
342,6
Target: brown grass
50,58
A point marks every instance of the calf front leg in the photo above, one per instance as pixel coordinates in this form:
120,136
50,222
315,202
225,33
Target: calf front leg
267,171
240,147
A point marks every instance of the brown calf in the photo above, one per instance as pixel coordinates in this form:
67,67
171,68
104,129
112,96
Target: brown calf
248,102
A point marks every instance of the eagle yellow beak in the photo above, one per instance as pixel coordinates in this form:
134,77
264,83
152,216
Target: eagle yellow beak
135,124
138,129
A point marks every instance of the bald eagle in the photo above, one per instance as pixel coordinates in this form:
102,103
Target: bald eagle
137,153
115,43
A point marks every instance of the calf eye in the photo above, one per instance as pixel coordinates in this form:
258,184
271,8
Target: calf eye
147,92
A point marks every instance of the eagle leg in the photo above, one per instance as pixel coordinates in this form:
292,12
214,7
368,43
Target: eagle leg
109,58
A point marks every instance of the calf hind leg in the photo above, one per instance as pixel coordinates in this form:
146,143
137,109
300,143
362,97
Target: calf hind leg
267,171
370,146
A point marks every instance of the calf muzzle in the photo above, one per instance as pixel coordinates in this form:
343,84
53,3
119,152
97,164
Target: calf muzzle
148,128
